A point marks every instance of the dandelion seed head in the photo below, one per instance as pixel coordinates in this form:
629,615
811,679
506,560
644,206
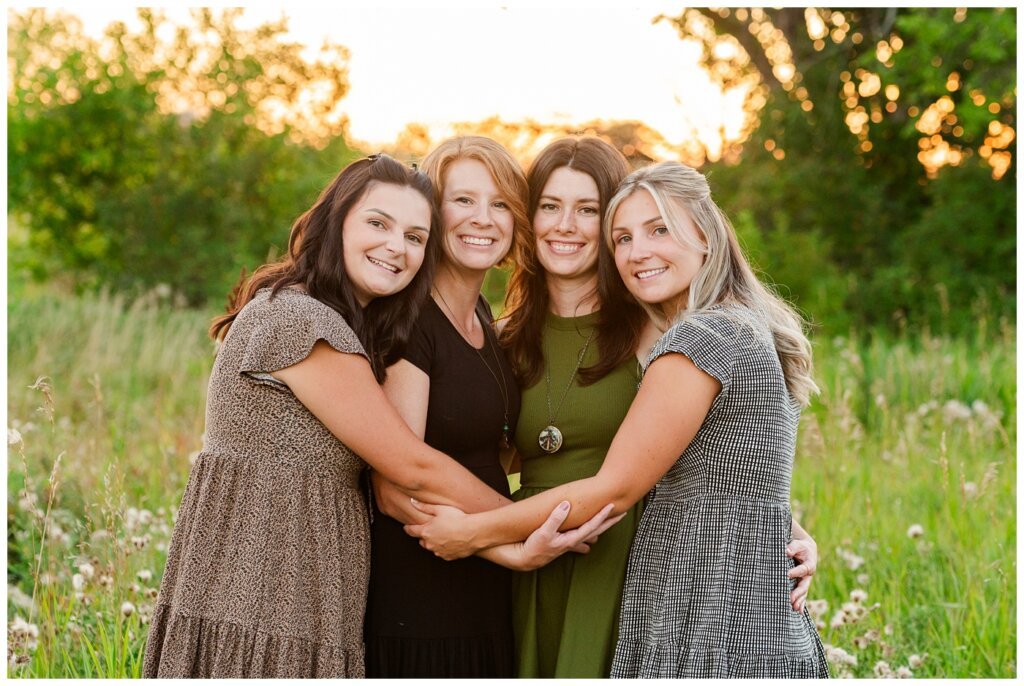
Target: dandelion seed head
87,570
904,673
915,661
970,490
882,669
144,575
77,582
862,579
915,531
858,595
13,436
127,608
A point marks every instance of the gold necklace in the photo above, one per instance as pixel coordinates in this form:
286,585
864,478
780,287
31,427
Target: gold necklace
506,430
550,438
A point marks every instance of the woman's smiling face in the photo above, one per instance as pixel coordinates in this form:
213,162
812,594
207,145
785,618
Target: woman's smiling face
567,224
385,237
656,267
476,218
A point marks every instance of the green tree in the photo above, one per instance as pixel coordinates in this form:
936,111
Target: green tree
884,134
167,155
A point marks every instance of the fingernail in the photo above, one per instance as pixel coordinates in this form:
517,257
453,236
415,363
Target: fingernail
564,505
414,501
789,551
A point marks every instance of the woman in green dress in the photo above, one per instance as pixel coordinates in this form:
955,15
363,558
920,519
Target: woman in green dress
574,335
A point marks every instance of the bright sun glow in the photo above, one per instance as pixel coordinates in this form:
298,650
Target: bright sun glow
553,64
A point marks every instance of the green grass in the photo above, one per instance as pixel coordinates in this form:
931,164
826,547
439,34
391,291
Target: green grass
108,398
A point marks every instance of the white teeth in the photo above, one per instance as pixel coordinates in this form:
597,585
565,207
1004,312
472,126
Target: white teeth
473,240
566,248
650,272
390,267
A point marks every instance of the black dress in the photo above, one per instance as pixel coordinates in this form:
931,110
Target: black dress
426,617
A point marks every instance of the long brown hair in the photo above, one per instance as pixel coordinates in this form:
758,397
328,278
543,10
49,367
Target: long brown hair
526,302
314,261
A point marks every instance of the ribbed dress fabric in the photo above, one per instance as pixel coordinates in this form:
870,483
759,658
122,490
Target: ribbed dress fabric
566,613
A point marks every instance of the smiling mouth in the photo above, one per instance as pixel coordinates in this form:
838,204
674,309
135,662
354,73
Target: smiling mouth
650,273
383,265
565,248
474,240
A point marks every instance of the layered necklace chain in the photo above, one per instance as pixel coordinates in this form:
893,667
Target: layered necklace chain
550,438
506,430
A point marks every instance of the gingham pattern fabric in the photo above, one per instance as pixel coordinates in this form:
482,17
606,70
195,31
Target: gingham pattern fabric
706,591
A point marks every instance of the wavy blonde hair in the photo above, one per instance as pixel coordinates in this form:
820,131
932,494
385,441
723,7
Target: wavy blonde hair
507,174
725,277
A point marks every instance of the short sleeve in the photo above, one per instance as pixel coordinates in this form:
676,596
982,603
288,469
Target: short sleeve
419,349
275,333
710,340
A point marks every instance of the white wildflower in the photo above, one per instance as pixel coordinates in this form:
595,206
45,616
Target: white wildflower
915,531
22,633
127,609
77,582
144,575
13,436
858,595
862,579
19,598
882,669
916,661
904,673
954,410
87,570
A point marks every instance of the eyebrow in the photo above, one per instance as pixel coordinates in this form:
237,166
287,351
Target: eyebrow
652,220
392,219
555,197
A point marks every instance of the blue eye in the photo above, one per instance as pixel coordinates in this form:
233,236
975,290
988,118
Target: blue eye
624,238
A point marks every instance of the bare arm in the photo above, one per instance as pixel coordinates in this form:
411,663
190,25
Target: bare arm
341,391
408,389
659,426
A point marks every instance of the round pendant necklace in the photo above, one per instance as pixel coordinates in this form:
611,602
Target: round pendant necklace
550,437
506,430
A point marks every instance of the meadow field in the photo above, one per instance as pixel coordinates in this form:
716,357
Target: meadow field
905,476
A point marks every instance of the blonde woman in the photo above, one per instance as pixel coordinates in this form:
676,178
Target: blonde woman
712,430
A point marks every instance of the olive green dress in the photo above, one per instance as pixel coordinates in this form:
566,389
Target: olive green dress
566,614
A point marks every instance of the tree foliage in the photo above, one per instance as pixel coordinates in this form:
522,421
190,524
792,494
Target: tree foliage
882,138
167,154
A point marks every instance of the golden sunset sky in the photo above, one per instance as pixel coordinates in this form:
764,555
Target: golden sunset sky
554,62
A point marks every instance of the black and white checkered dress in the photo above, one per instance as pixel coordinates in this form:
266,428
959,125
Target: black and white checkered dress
706,591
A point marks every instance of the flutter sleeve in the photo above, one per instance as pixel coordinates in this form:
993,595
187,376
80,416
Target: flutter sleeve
710,339
275,333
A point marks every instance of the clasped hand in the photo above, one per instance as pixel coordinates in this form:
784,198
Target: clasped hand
448,534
